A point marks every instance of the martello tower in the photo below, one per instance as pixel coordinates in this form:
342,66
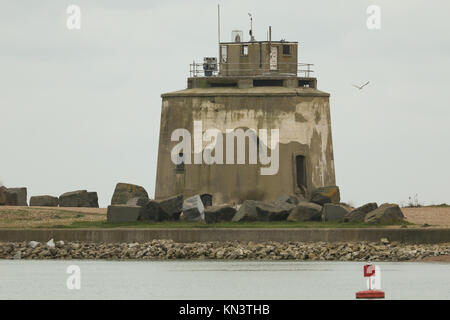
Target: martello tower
253,85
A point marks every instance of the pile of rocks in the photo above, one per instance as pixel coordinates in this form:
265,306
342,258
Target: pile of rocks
18,197
131,203
167,249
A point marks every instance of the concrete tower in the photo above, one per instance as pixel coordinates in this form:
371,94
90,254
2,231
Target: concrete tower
256,85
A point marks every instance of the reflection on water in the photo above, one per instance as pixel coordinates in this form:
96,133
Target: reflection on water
218,280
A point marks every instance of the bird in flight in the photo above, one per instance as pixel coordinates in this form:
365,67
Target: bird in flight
360,87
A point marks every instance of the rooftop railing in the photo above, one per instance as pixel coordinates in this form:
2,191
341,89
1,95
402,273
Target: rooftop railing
249,69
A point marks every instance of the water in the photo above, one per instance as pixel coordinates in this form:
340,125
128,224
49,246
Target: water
33,279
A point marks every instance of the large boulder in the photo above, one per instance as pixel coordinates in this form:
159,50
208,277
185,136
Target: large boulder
254,210
219,213
358,214
8,198
125,191
306,211
172,206
79,198
334,212
21,195
163,209
44,201
152,212
123,213
387,213
193,209
324,195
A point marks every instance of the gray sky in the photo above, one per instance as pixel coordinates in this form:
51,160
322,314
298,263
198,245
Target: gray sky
81,109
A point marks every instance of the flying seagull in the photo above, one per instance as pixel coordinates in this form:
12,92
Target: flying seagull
360,87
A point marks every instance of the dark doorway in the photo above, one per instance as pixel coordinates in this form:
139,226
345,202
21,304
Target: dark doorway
300,165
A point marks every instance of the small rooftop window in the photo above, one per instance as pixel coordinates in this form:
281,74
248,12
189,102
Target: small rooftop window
286,49
244,51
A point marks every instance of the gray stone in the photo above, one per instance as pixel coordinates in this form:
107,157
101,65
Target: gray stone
79,198
219,213
193,209
152,212
206,200
51,243
387,213
288,199
334,212
123,213
254,210
163,209
172,206
358,214
306,211
21,195
125,191
138,201
324,195
8,198
44,201
33,244
93,199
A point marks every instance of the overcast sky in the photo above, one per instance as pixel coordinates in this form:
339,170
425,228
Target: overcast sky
80,109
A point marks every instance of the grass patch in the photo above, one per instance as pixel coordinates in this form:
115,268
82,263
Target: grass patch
190,225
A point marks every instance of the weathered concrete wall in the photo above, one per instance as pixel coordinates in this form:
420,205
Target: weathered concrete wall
302,116
254,235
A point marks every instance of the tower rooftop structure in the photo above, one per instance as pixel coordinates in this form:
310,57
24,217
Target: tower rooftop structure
253,64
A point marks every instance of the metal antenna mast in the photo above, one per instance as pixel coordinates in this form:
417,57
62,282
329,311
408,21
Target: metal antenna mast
218,30
252,38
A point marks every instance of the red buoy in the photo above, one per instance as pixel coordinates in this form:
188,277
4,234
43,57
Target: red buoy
370,294
371,273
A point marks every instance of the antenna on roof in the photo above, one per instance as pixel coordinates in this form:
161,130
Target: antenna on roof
218,28
252,38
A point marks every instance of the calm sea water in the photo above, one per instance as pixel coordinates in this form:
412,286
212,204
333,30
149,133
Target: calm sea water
218,280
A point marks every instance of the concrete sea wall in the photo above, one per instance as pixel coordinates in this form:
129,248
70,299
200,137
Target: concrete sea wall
403,235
